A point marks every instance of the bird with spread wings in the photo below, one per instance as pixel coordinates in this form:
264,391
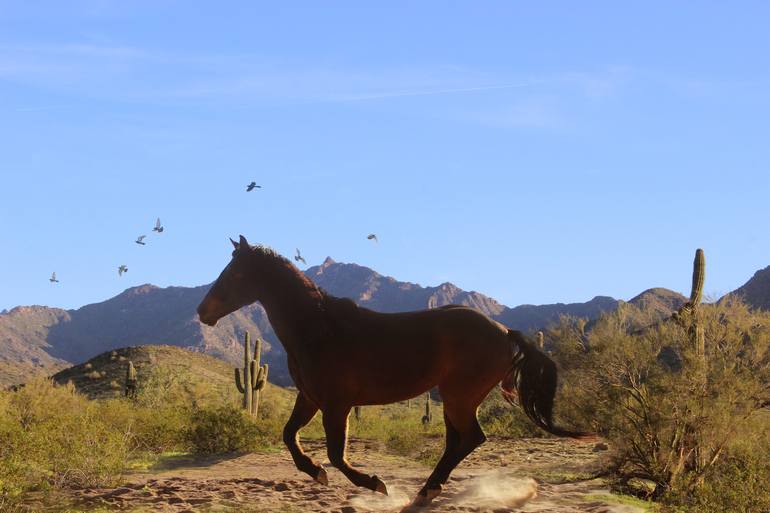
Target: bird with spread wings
298,258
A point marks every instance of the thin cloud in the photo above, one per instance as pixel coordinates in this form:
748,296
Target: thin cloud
401,94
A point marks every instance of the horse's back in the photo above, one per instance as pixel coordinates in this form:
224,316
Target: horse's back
394,356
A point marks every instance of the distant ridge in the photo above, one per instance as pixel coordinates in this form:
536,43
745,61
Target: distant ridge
756,291
41,340
385,294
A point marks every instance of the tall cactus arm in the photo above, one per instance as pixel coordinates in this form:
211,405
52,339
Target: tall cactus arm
698,278
246,344
254,370
257,349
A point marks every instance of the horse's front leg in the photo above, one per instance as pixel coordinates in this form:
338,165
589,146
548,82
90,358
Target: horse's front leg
335,422
302,413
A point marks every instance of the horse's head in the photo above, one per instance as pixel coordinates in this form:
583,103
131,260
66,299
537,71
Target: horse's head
235,286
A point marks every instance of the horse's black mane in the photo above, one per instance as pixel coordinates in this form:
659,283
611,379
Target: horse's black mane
268,252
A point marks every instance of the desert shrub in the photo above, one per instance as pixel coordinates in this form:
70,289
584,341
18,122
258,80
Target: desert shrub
737,483
52,436
497,417
222,429
148,430
269,424
162,387
11,471
670,420
163,409
82,450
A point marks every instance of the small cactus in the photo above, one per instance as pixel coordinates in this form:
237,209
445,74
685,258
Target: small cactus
130,380
357,412
428,414
540,340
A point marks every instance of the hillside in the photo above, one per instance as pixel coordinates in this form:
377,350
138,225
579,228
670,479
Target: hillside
41,340
197,374
25,349
756,291
138,316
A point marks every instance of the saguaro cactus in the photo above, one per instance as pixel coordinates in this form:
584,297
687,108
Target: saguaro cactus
131,380
540,340
243,377
696,296
428,415
252,379
689,314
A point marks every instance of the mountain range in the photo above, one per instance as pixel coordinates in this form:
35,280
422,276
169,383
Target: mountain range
43,340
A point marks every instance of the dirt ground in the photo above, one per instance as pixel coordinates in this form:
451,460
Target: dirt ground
534,475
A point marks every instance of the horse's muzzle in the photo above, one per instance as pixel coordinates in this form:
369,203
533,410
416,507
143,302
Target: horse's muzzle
206,317
208,321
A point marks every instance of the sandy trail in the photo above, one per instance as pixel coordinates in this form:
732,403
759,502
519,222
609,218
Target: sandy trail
534,475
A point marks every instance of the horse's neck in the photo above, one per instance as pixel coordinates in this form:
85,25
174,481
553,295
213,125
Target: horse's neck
293,308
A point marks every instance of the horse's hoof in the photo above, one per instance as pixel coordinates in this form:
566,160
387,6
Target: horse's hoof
321,477
426,496
379,486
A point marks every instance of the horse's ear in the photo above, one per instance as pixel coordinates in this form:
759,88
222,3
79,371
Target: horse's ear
244,243
235,244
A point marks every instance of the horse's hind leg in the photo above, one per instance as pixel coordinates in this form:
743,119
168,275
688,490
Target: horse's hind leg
302,413
433,487
461,418
336,426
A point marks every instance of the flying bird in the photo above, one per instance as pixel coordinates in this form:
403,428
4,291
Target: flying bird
373,237
140,239
252,186
53,279
298,257
158,228
122,269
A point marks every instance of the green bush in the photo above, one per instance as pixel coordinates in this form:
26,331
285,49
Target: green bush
52,436
738,484
222,429
669,422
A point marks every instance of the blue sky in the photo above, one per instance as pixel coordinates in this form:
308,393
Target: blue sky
535,152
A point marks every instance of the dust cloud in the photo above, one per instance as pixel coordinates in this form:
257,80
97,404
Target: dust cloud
489,491
495,490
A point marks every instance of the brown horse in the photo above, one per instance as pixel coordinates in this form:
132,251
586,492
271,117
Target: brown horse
341,355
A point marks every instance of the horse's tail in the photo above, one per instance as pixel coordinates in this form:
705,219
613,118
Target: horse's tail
532,379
